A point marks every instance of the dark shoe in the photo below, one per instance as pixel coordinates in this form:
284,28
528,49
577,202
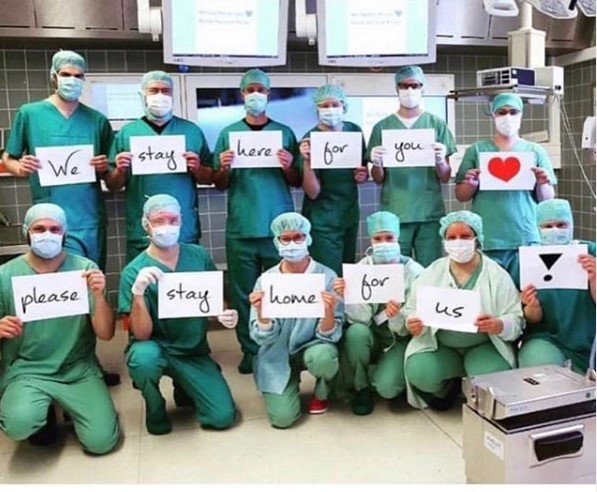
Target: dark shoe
111,378
182,399
363,402
157,422
445,403
399,402
246,364
48,434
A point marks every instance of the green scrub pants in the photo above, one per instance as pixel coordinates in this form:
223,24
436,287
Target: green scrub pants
321,361
198,376
25,402
334,246
539,351
247,259
429,372
89,243
369,365
421,241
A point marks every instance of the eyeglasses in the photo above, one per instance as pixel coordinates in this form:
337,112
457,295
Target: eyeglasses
413,85
287,239
504,112
150,91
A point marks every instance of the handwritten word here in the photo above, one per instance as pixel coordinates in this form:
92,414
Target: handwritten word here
506,170
50,295
158,155
553,267
449,309
408,148
190,295
256,149
68,164
336,150
373,284
292,295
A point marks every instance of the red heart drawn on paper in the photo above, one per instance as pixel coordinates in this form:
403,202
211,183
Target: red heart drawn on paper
504,169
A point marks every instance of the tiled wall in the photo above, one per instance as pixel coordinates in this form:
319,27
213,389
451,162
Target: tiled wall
24,77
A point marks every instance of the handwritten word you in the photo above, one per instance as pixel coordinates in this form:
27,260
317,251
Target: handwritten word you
402,146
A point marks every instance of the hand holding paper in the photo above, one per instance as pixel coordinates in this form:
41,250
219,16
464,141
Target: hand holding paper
99,163
229,318
439,150
489,324
328,321
339,286
192,160
28,164
285,158
540,175
414,325
392,308
145,277
528,296
588,264
226,159
123,161
10,327
256,300
96,282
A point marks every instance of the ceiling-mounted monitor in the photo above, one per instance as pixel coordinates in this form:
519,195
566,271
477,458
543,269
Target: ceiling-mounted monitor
376,33
225,33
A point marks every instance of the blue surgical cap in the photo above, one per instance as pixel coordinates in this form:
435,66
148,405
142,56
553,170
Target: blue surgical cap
254,76
330,91
44,211
506,99
156,75
65,58
554,209
291,221
159,203
411,72
471,219
383,221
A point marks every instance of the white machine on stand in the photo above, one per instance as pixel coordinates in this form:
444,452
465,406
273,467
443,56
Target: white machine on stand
531,425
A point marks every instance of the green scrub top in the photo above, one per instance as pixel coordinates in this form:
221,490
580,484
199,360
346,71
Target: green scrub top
256,196
59,349
413,193
508,216
181,186
41,124
568,321
337,205
178,336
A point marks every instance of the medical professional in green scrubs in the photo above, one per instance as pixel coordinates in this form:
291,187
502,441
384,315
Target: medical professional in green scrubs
436,359
255,197
560,322
289,345
413,193
157,90
53,360
61,120
371,351
331,201
174,347
508,216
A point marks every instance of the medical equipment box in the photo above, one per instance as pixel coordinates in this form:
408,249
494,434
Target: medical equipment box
505,77
531,425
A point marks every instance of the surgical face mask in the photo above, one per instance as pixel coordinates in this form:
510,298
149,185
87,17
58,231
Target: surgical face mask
331,116
46,244
69,88
293,252
159,107
386,253
165,236
409,98
508,125
255,103
556,236
460,250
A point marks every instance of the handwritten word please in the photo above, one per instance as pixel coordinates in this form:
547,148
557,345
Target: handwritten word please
150,155
182,293
35,298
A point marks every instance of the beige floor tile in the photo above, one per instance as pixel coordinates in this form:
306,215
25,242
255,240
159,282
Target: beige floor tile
449,422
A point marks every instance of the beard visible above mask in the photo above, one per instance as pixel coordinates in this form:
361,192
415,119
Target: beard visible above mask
255,103
69,88
331,116
556,236
385,253
46,245
409,98
293,252
508,125
158,107
460,250
165,236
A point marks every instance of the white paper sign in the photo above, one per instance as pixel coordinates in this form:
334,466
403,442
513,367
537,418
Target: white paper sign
336,150
50,295
448,309
190,295
68,164
408,148
373,284
506,171
292,295
256,149
553,267
158,155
